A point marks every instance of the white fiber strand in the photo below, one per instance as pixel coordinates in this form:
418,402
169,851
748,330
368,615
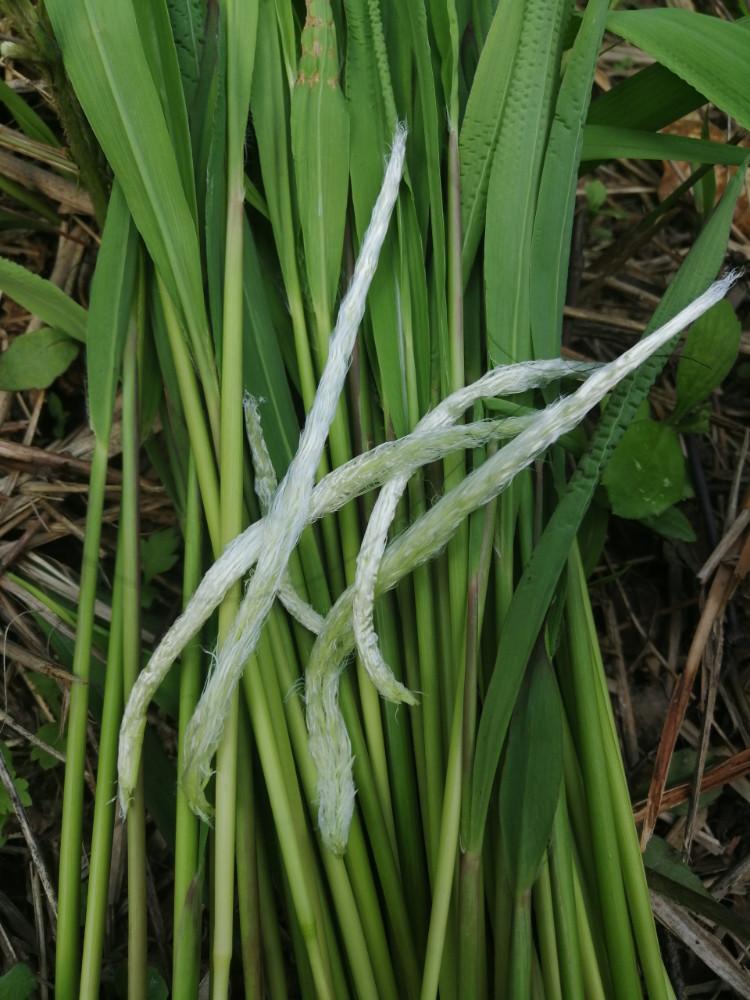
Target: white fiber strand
265,487
330,751
289,510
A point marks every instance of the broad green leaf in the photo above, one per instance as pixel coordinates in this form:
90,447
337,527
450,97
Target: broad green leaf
710,351
159,552
270,113
28,120
553,223
159,45
445,27
187,17
156,988
481,124
43,299
603,142
109,70
285,18
648,100
672,523
646,473
665,860
532,775
265,377
532,597
514,182
49,733
668,874
18,983
370,138
707,52
112,296
34,360
320,148
430,118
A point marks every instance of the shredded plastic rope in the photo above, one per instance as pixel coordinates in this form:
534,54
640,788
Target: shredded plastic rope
358,476
502,381
329,742
265,487
287,516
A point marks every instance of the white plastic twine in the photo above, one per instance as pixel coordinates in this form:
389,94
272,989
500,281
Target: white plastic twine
265,487
501,381
288,514
363,473
330,746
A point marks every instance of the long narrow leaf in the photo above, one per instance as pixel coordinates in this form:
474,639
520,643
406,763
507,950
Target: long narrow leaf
43,299
533,595
109,316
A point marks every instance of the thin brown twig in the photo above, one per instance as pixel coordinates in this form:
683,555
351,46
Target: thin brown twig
28,836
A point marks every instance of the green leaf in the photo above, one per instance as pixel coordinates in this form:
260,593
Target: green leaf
514,180
22,790
320,147
187,17
156,988
650,99
669,875
18,983
482,121
43,299
34,360
665,860
532,597
159,552
370,137
110,73
159,45
596,195
708,53
553,222
603,142
671,523
28,120
265,377
532,775
49,733
646,473
112,295
710,351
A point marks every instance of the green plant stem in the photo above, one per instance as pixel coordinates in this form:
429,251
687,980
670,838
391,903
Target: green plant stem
200,440
455,467
69,879
356,866
545,922
590,966
630,861
131,665
273,956
616,920
443,889
521,949
247,870
503,923
104,809
473,974
351,927
297,867
239,22
563,899
187,878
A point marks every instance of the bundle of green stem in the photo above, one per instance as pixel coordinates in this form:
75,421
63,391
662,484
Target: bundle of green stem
490,848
